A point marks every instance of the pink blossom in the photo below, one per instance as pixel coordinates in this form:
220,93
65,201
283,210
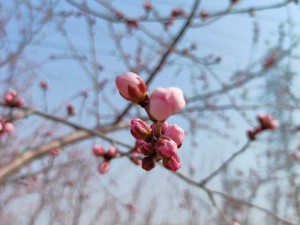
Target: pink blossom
166,147
176,133
148,163
172,163
166,101
131,87
140,129
104,167
145,148
98,150
267,122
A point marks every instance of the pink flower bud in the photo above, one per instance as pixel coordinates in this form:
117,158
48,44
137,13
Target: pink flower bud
176,133
131,206
1,127
166,101
172,163
148,163
104,167
8,127
267,122
140,129
98,150
112,152
145,148
166,147
131,87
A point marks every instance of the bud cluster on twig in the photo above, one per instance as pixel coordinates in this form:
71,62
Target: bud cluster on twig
158,141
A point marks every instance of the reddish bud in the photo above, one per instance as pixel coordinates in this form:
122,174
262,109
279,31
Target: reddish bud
145,148
71,110
172,163
112,152
271,60
176,133
267,122
176,12
98,150
234,1
131,206
204,14
55,152
140,129
148,163
104,167
132,87
251,134
166,147
133,23
147,6
44,85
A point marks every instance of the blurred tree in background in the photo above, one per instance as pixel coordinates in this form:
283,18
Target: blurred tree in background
233,59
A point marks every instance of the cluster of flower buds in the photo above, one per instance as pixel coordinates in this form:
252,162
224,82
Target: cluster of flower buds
158,141
266,122
12,99
5,127
111,153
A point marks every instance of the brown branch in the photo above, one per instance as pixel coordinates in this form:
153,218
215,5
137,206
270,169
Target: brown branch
224,195
40,151
224,165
